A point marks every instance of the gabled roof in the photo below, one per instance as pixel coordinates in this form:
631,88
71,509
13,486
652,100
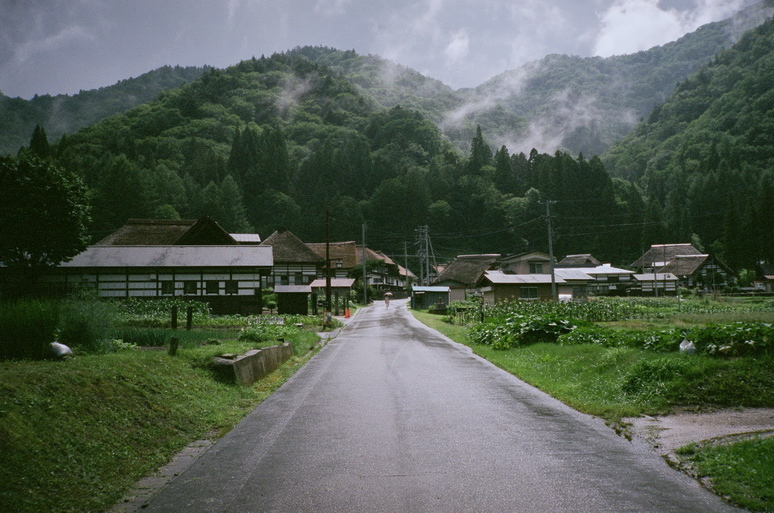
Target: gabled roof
600,269
686,265
290,249
529,255
349,253
165,232
345,252
467,269
246,238
661,254
171,256
336,283
657,277
584,260
560,276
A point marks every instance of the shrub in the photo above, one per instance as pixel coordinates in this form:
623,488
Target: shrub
27,328
87,323
652,376
520,330
733,339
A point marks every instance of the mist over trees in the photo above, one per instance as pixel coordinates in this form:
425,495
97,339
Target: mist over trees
278,142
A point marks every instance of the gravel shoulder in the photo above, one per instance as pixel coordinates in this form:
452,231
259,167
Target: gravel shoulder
666,434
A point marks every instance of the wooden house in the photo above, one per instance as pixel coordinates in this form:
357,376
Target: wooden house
294,262
497,286
608,280
463,274
347,261
704,272
168,232
660,255
423,297
586,261
229,278
532,262
655,284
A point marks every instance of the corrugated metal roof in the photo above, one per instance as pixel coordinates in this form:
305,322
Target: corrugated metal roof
173,256
602,269
335,282
292,289
573,275
499,277
655,277
253,238
430,289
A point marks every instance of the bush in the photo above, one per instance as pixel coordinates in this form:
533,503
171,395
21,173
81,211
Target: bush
87,323
733,339
520,330
27,328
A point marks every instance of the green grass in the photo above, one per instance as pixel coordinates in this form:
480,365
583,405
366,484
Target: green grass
741,471
622,382
75,435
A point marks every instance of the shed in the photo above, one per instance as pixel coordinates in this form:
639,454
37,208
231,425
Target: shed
293,299
424,297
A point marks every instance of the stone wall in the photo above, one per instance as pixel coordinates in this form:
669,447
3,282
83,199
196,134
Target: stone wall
248,368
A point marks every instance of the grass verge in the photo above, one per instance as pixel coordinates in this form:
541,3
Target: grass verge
75,435
740,471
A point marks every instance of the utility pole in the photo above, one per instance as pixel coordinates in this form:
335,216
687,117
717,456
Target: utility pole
365,270
328,318
425,254
548,204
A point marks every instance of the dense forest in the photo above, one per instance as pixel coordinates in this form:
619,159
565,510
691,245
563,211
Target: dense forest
281,141
705,158
65,114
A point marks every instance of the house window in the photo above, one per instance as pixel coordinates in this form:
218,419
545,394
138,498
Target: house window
189,287
299,279
528,292
167,288
284,279
212,286
536,268
232,287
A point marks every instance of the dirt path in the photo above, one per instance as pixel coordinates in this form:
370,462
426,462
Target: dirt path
668,433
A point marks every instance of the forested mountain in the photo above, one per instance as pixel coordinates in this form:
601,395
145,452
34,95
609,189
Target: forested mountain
65,114
705,158
280,141
587,104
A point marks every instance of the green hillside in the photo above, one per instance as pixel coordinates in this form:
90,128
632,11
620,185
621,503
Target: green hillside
65,114
705,156
588,104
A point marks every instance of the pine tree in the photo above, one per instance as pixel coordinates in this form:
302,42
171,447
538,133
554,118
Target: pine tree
39,142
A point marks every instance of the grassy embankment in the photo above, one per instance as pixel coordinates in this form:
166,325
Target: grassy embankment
75,435
618,382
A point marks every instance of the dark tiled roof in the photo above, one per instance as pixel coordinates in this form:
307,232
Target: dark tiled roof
166,232
467,269
290,249
660,254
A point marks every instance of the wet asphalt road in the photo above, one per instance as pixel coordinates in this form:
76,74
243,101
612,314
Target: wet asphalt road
392,417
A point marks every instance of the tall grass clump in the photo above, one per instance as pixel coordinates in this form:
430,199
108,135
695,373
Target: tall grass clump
86,322
27,328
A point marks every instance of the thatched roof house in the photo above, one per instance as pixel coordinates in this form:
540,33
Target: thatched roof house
169,232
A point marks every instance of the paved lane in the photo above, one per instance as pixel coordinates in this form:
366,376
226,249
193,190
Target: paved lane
392,417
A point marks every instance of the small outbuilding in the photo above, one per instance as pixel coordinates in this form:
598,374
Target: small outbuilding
425,297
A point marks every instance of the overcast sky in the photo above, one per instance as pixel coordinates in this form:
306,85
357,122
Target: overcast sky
63,46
